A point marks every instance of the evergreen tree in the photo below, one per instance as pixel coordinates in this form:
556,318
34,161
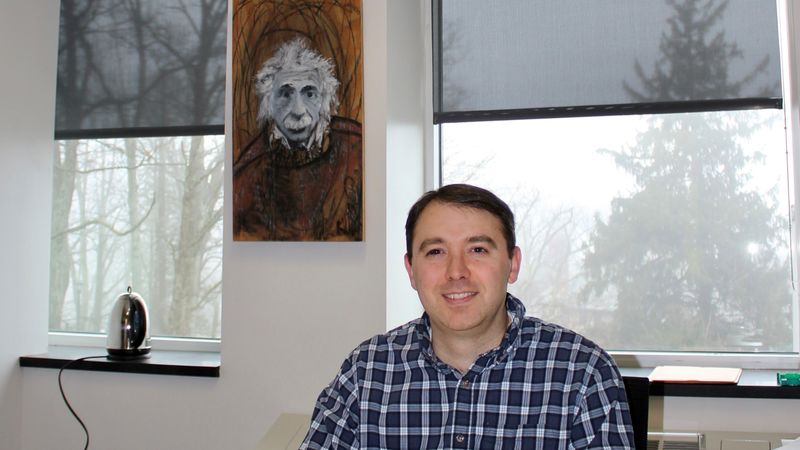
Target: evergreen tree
695,257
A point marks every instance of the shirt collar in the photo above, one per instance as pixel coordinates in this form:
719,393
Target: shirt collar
516,310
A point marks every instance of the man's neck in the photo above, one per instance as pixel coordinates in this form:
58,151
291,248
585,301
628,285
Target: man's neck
461,350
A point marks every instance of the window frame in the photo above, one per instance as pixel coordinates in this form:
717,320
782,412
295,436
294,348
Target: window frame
788,29
163,343
98,340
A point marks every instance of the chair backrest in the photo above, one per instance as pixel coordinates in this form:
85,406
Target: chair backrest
637,389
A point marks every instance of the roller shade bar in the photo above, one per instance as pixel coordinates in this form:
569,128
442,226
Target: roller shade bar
609,110
141,132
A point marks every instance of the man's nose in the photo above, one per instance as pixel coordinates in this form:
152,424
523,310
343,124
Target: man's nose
457,268
298,108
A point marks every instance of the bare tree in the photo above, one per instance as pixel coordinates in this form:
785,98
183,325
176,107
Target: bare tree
76,20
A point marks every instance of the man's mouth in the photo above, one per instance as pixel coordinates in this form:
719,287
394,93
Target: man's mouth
297,125
457,297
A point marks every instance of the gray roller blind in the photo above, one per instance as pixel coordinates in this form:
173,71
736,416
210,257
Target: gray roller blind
498,59
136,68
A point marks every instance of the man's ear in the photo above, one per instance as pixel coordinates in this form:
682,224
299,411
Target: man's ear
516,261
410,271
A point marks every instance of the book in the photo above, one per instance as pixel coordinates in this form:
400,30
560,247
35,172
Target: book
694,374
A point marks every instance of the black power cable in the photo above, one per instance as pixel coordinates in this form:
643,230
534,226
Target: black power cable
64,396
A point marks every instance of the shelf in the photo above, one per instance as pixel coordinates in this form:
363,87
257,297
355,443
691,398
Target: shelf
195,364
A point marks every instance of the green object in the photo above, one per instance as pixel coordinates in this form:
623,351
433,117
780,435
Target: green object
788,378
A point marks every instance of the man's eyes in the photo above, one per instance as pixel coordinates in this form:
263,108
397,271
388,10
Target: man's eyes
285,91
310,91
439,251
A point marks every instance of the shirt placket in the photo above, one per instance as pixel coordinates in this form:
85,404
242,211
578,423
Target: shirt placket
462,423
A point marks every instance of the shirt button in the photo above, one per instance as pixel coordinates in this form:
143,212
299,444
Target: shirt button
465,383
460,438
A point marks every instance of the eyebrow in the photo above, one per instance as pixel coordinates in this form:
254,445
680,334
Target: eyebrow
429,242
481,238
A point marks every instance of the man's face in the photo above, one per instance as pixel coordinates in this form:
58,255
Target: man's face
461,269
295,105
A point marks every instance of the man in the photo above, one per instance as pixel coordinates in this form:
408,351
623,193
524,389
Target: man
300,178
473,372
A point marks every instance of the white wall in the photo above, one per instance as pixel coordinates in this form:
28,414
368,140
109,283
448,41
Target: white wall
291,310
28,45
405,171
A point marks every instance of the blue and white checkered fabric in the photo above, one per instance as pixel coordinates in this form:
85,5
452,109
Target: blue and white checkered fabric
544,387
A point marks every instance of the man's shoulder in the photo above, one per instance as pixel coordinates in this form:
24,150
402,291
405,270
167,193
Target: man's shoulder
543,331
400,339
565,343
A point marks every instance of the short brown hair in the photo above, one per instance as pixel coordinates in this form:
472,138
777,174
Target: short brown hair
466,196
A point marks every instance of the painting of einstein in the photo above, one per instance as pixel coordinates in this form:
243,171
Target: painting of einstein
297,115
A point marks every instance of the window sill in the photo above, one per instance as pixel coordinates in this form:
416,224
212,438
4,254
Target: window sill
753,384
160,362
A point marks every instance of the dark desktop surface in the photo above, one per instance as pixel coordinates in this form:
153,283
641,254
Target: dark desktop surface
752,384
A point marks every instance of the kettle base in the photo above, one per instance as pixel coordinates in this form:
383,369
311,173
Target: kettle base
116,354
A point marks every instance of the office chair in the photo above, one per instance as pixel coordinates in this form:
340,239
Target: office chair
637,390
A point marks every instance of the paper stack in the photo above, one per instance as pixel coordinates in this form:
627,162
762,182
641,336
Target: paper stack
692,374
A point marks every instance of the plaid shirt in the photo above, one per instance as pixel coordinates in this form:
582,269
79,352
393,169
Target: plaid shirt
543,387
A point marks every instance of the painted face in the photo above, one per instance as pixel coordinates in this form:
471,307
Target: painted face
461,270
295,105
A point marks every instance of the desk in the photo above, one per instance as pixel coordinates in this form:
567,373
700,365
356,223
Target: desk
287,432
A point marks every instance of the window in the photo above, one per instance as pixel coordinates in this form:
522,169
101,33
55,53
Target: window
650,181
138,164
686,250
144,212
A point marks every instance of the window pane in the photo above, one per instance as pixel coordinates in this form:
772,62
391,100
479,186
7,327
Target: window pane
663,232
145,213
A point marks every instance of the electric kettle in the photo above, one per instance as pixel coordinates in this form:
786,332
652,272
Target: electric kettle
128,328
